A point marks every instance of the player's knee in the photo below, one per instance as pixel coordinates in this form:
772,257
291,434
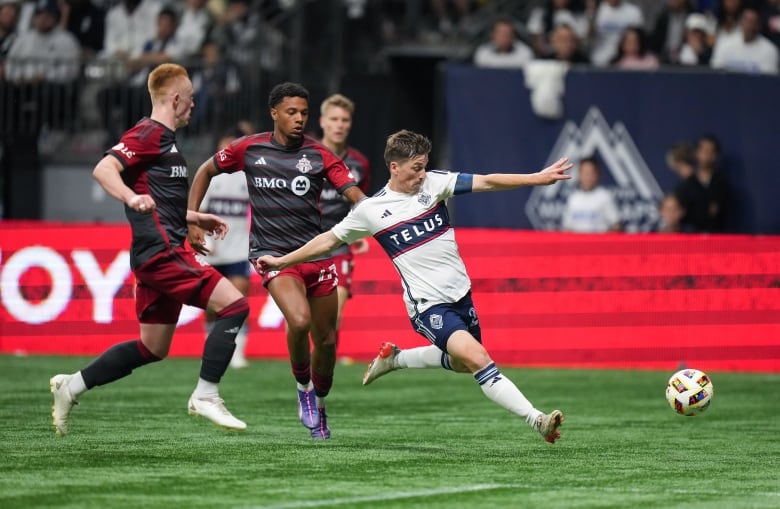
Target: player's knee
238,309
298,323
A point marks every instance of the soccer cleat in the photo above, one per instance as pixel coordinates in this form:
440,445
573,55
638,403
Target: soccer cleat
63,403
321,432
307,409
214,410
382,363
547,425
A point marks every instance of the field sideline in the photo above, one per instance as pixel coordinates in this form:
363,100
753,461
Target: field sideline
412,439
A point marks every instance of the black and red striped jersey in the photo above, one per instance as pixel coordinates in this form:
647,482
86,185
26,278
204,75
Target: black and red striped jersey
284,185
153,165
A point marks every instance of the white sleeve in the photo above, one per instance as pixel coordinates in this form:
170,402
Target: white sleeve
353,227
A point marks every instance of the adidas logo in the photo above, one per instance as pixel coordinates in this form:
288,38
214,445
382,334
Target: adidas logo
386,213
234,330
260,161
174,150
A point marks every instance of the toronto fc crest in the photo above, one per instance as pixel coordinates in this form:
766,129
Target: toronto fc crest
304,165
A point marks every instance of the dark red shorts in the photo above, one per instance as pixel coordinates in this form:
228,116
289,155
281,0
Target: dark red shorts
320,277
344,267
169,280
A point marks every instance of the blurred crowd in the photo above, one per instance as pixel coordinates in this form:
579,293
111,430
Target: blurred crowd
732,35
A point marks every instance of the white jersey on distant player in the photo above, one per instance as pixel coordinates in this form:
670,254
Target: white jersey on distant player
228,198
415,231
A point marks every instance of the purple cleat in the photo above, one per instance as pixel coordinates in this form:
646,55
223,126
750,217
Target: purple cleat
321,432
307,409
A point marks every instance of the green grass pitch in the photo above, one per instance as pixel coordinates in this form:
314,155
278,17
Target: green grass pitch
413,439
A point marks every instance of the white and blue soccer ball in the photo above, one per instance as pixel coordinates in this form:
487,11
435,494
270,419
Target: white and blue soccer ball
689,392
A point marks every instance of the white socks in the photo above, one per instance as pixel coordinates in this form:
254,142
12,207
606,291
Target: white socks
205,390
420,357
503,391
76,384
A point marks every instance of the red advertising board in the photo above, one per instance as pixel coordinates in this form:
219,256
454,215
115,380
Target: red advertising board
543,299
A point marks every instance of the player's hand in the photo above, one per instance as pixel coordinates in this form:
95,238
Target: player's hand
555,172
267,263
360,246
142,203
213,225
197,239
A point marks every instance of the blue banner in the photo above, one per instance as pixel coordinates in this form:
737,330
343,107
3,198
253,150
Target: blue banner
629,120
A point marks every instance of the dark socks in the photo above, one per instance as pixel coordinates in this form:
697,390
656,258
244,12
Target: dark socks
117,362
322,383
221,341
301,372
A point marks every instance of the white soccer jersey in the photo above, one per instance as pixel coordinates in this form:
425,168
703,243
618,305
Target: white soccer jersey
228,198
415,232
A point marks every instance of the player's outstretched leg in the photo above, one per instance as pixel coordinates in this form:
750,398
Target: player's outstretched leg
383,363
547,425
63,403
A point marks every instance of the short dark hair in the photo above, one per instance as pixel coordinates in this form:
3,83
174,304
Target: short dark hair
286,89
592,160
404,145
709,138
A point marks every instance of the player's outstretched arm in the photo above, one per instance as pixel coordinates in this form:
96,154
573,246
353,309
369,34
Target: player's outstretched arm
503,181
318,246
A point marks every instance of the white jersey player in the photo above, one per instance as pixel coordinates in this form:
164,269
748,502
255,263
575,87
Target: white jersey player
228,194
409,219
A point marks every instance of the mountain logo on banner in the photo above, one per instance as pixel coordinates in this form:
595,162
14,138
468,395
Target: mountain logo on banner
624,172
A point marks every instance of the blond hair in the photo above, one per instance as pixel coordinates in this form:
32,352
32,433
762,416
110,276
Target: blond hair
337,100
161,78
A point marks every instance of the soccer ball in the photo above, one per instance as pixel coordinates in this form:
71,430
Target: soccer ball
689,392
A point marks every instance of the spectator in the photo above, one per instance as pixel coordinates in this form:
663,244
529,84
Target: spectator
87,22
544,19
129,25
195,25
9,18
680,160
45,54
671,213
217,83
504,48
668,33
608,21
123,103
697,49
771,16
705,194
590,208
633,52
565,46
42,63
727,17
238,32
444,21
748,51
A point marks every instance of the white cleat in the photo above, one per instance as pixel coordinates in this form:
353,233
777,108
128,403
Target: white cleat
63,403
214,410
547,425
382,363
